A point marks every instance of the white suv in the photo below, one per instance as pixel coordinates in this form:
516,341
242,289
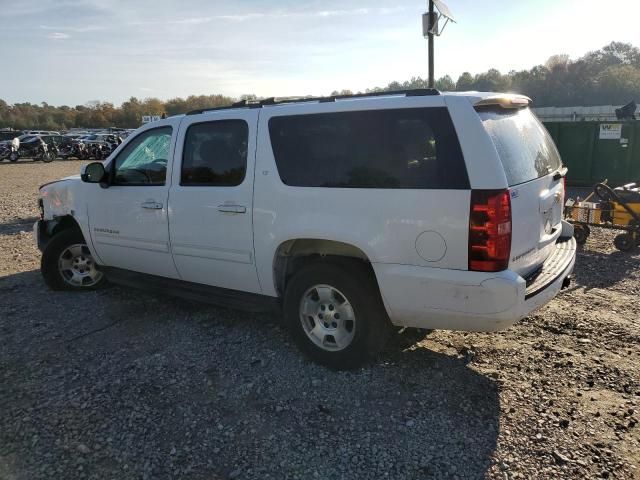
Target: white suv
352,214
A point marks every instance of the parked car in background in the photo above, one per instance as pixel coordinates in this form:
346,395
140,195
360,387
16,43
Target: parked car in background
8,135
41,132
51,139
352,214
96,138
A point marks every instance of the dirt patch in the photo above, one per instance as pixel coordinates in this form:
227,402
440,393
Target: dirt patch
121,384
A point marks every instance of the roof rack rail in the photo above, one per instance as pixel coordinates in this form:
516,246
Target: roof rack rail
420,92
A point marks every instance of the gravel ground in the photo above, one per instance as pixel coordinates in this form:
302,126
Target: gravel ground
121,384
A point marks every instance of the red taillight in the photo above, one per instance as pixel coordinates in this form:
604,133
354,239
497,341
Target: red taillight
489,230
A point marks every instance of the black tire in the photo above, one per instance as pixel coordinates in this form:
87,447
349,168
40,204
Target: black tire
624,242
47,157
635,225
13,157
581,233
49,264
604,192
356,282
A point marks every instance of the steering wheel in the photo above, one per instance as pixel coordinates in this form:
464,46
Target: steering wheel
157,168
139,171
160,161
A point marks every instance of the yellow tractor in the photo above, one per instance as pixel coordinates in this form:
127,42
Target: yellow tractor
618,209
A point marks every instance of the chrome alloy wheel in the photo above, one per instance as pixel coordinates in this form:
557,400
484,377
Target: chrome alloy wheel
77,267
327,318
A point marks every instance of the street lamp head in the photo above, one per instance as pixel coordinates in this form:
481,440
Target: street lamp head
431,20
444,10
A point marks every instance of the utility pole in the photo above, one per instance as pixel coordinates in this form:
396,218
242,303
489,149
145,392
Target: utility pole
430,42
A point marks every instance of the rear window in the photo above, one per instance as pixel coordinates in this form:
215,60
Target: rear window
404,148
525,147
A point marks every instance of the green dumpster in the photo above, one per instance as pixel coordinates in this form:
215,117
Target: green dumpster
595,151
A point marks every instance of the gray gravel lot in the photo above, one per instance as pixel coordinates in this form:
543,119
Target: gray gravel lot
126,385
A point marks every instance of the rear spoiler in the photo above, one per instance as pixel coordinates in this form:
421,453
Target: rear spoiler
503,101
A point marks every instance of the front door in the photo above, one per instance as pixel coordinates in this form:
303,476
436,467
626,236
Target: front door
211,200
128,220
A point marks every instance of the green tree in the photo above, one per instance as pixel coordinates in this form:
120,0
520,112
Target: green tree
610,75
445,84
618,84
465,82
131,113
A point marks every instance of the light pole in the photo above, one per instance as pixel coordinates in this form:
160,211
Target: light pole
430,30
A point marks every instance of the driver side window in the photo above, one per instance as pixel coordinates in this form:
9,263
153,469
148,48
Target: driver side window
144,160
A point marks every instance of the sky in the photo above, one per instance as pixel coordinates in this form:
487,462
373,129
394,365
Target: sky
75,51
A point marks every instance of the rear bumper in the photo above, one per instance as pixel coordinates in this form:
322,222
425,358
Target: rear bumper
562,259
435,298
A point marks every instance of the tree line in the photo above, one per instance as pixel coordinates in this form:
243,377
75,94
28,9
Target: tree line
609,76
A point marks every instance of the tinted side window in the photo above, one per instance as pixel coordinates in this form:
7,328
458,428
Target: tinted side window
525,147
408,148
144,160
215,154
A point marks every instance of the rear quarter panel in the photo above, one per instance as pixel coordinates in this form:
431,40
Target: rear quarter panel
384,223
481,157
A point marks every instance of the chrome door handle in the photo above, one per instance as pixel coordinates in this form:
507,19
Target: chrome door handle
151,205
232,208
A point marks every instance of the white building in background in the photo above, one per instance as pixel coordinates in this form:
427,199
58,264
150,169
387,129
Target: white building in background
150,118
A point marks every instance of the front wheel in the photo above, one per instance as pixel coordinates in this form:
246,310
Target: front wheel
14,156
48,157
335,314
67,263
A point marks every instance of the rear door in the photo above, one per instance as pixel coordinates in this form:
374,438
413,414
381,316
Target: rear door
211,200
534,171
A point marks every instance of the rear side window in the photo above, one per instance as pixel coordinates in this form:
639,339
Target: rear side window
408,148
215,154
525,147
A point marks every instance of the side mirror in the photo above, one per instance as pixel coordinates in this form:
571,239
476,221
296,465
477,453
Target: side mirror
94,172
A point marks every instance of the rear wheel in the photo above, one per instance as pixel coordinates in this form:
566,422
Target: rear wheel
624,242
335,314
67,263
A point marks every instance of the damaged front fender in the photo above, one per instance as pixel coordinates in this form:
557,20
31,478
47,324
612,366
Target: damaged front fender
59,198
61,207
